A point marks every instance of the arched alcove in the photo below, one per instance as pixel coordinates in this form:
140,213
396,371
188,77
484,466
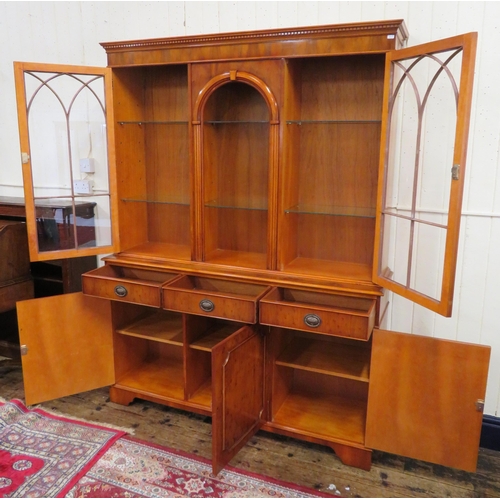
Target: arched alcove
237,140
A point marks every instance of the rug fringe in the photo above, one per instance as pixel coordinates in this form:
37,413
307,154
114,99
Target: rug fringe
128,430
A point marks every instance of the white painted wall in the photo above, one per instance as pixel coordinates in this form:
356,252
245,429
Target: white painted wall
70,32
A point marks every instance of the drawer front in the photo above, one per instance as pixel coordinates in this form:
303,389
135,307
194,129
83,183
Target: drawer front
207,304
101,283
336,321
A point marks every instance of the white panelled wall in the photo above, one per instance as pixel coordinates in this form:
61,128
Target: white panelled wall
70,32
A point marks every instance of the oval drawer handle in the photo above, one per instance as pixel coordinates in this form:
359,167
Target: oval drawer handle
121,291
207,305
312,320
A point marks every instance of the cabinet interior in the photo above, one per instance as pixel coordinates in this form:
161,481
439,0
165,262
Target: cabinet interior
323,221
167,353
152,132
326,375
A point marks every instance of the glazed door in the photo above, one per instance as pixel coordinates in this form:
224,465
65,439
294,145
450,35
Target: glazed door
66,131
425,398
67,345
427,102
237,393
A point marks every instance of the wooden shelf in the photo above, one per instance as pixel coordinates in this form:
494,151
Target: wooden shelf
161,377
320,267
203,396
213,337
239,259
184,203
331,358
327,417
161,327
159,251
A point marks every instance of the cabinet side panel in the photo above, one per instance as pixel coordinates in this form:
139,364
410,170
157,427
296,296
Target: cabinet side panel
422,398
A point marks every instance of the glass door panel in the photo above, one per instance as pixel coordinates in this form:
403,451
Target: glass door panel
64,139
422,175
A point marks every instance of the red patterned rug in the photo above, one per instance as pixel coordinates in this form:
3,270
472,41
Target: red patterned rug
44,455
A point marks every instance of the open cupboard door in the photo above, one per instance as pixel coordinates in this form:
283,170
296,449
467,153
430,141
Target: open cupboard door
66,345
426,398
238,393
67,153
427,102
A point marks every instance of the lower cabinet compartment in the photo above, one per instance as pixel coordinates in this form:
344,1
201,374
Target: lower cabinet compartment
149,355
166,356
319,386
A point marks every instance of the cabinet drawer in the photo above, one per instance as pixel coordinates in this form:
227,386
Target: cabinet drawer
126,284
318,312
213,297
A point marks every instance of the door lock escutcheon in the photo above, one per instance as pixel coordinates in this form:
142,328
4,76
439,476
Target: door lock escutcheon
480,405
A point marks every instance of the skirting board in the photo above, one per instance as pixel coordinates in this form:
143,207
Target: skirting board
490,433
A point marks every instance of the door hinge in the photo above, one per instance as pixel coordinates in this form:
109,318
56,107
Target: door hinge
480,405
25,157
455,172
24,350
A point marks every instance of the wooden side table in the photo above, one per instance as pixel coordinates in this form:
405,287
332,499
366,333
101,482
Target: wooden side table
38,279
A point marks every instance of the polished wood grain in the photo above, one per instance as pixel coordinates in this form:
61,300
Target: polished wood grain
329,417
373,36
238,396
161,326
136,286
228,299
317,355
341,316
53,340
423,394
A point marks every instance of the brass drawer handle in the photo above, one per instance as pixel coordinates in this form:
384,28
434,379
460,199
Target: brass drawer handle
207,305
312,320
121,291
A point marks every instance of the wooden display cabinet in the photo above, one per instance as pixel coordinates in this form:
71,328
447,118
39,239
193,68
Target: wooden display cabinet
259,209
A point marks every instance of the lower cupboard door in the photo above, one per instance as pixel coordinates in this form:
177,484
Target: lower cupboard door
67,345
424,398
237,393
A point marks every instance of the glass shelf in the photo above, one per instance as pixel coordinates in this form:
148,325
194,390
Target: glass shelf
221,204
333,122
161,202
332,210
154,122
236,122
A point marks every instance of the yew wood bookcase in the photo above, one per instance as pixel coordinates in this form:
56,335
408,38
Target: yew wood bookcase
258,195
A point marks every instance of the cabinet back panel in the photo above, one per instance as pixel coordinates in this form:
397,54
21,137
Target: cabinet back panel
345,239
237,230
306,381
236,158
169,224
167,162
338,165
166,93
342,88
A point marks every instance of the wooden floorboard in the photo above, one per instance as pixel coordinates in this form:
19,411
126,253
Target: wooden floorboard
280,457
